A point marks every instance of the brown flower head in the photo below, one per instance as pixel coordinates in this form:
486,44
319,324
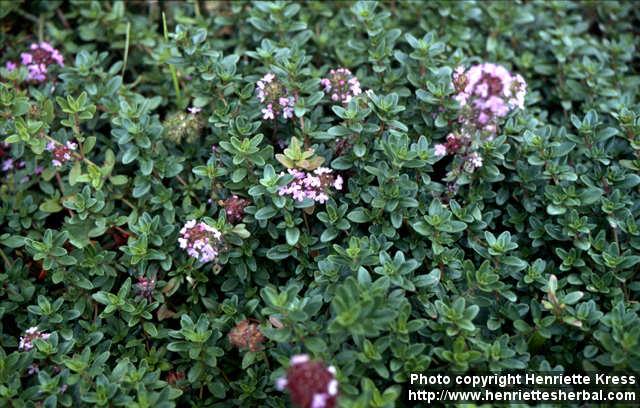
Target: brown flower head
246,335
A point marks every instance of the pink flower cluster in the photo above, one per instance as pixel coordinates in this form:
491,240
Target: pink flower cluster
459,143
311,384
200,240
313,185
488,92
37,60
32,333
473,161
341,85
61,153
275,97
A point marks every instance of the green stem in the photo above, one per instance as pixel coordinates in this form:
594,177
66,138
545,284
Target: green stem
197,8
28,16
40,28
59,180
127,202
172,69
126,49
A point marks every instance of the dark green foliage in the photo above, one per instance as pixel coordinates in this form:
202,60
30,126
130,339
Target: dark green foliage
530,263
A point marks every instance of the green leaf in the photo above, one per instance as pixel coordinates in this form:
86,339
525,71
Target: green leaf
51,205
265,213
75,173
292,235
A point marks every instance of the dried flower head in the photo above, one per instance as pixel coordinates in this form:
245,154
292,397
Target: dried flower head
246,335
145,286
182,125
341,85
311,384
173,377
234,208
275,98
200,240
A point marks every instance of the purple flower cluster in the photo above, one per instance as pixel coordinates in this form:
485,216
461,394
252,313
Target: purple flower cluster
275,97
311,384
313,185
341,84
200,240
33,369
487,92
61,153
32,333
37,60
10,164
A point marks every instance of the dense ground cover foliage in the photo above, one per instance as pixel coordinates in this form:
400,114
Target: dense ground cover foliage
252,203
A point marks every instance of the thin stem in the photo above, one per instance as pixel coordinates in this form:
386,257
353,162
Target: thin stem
126,49
6,260
172,69
306,222
181,180
28,16
304,134
59,179
62,18
197,8
76,130
122,230
40,28
127,202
